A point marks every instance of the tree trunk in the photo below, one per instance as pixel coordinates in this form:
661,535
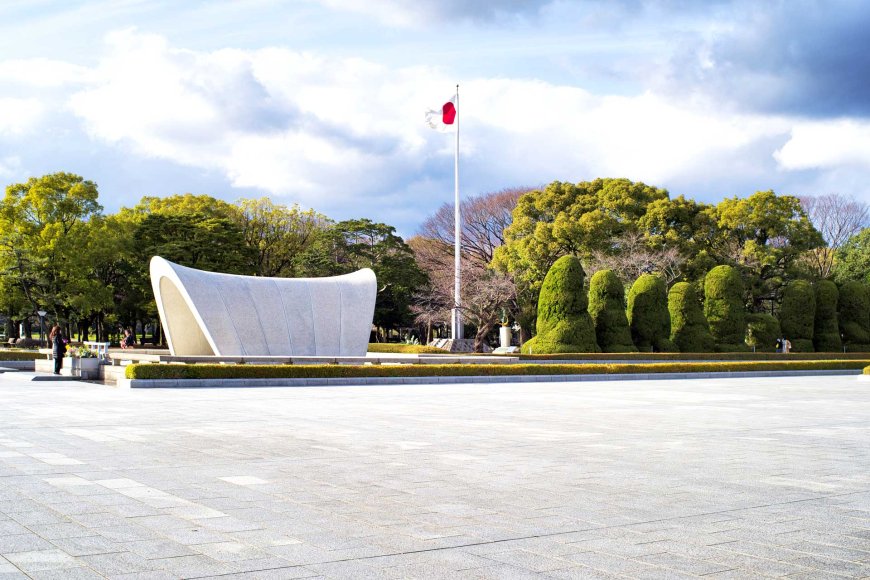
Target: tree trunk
482,332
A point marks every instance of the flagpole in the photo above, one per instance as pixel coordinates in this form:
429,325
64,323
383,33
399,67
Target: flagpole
456,330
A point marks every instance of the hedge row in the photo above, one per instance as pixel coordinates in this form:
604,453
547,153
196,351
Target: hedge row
696,356
12,355
176,371
394,348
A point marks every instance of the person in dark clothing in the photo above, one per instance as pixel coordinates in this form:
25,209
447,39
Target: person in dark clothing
129,341
58,347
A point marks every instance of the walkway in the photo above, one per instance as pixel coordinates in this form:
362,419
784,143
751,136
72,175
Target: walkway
661,479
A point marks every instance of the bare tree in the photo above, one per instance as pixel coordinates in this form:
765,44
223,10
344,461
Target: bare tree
484,291
838,218
484,219
630,257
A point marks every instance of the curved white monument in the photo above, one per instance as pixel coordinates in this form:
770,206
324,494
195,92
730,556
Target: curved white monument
212,314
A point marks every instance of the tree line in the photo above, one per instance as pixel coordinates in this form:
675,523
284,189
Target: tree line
61,253
634,229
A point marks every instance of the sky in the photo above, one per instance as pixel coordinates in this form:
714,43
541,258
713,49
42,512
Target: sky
322,102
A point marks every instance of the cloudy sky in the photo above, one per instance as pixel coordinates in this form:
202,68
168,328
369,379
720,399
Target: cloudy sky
322,102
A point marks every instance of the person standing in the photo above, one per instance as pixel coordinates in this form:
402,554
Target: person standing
58,347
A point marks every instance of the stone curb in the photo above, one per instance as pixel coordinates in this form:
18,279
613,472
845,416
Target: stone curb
362,381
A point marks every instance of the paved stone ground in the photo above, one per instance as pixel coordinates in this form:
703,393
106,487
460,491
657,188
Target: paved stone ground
659,479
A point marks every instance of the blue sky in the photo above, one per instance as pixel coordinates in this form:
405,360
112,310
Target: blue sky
321,102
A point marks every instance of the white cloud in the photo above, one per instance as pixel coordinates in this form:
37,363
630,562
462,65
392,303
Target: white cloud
828,144
42,72
338,133
18,116
9,165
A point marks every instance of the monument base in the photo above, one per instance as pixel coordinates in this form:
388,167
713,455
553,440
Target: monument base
458,345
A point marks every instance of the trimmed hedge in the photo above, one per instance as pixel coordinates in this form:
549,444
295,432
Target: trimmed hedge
797,315
762,331
15,355
648,315
697,356
724,309
564,325
854,316
826,329
689,329
198,371
607,309
392,347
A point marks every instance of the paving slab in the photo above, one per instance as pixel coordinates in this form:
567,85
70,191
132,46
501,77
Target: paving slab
721,477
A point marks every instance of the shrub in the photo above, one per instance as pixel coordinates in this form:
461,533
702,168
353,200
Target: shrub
694,356
18,355
797,315
392,347
648,315
724,310
607,309
564,325
762,331
689,329
854,316
224,371
826,330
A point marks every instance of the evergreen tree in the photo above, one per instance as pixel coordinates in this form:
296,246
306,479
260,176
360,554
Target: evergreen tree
648,315
724,308
564,324
689,329
607,309
826,333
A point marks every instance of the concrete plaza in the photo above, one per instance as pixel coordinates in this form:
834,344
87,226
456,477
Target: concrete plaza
642,479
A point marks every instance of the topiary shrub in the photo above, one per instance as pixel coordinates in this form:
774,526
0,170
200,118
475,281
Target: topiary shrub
648,315
607,309
762,331
689,329
826,330
797,315
854,316
564,325
724,310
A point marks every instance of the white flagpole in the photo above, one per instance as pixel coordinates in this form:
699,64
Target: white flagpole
456,330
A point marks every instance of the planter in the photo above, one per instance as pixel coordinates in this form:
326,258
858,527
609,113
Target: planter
86,368
504,336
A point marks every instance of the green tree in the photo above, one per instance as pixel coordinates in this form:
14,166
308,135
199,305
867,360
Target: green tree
854,316
797,315
762,331
648,315
353,244
564,324
43,238
277,235
826,333
852,259
607,309
564,218
724,308
762,235
689,329
683,225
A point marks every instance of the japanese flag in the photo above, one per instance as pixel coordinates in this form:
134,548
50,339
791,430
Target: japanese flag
443,119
